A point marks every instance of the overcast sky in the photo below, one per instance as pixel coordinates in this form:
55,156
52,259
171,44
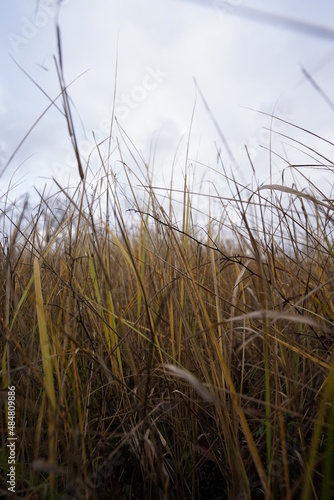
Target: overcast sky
161,46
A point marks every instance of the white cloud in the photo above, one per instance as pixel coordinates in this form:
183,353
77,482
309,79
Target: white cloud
236,63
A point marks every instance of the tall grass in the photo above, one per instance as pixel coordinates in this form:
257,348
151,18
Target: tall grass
157,359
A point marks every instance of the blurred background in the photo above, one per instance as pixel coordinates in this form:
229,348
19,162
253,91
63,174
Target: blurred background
168,69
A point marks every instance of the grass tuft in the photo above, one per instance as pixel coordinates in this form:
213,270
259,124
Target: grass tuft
162,348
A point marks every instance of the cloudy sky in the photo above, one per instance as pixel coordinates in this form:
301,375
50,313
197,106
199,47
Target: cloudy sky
242,61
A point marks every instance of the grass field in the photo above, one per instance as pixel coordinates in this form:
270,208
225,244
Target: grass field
160,359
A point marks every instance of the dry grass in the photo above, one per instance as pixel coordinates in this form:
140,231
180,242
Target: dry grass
156,362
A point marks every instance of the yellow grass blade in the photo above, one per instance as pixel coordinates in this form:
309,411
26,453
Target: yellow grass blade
47,369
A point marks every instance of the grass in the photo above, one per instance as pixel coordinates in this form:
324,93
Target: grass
153,358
